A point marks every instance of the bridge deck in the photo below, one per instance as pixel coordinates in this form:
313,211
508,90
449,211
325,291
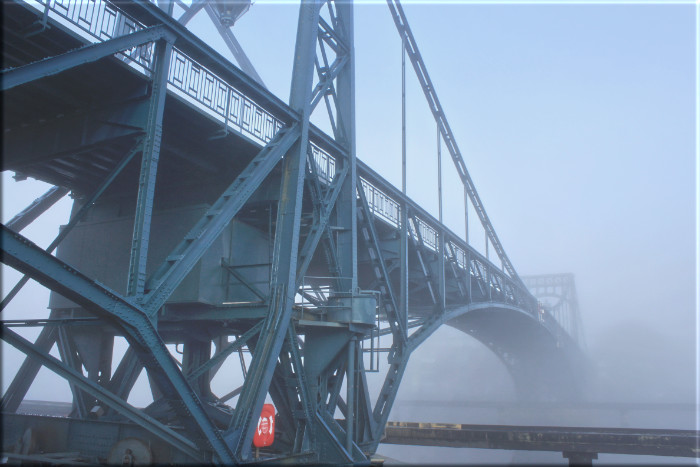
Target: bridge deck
198,251
205,140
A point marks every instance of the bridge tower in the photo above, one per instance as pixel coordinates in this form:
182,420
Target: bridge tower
211,219
558,293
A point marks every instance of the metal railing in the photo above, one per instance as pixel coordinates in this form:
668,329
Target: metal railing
325,163
382,205
99,20
421,231
202,87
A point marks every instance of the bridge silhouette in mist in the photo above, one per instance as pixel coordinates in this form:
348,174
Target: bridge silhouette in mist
215,228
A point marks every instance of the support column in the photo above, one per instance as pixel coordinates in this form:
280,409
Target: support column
196,352
286,243
350,417
403,243
147,179
441,240
466,215
82,402
346,206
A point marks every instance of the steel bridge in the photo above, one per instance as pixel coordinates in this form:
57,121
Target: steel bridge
212,216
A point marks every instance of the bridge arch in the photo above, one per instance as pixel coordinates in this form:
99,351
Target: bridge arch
220,152
543,366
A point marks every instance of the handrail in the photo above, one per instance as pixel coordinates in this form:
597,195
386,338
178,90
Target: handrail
221,95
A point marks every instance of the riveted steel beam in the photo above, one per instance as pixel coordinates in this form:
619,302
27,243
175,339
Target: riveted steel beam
286,241
86,54
191,10
418,243
27,371
136,279
225,352
342,17
23,255
365,420
326,79
77,217
126,374
37,208
324,206
299,372
398,359
69,354
397,324
98,392
186,254
386,397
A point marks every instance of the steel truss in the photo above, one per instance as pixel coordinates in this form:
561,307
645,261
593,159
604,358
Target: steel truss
274,235
561,288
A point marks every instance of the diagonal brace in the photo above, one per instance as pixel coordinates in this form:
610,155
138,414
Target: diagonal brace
220,356
87,54
77,217
185,255
233,45
231,269
100,393
37,208
68,352
325,206
21,254
27,372
326,79
397,324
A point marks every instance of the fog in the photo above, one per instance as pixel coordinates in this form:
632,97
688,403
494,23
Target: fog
577,124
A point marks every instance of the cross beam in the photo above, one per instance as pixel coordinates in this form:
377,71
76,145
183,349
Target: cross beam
90,53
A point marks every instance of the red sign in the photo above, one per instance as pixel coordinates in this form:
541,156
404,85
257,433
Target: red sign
265,433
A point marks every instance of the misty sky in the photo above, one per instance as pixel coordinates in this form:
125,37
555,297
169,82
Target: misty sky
577,126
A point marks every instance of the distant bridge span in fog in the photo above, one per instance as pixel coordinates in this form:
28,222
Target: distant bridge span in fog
211,218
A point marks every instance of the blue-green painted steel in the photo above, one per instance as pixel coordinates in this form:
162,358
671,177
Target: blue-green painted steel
391,308
77,217
286,243
322,209
199,239
26,257
69,354
259,227
17,76
27,371
77,379
36,209
411,47
225,352
136,279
